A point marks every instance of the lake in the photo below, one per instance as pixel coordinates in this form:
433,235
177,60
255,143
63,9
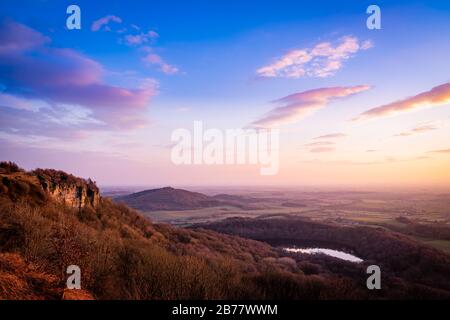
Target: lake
329,252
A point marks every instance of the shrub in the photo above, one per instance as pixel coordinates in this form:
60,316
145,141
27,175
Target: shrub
9,167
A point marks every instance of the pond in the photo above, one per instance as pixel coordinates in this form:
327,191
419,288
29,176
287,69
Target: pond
329,252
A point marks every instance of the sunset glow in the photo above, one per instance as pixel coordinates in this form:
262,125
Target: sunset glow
103,101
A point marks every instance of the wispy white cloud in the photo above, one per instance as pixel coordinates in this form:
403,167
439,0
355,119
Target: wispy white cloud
323,60
299,105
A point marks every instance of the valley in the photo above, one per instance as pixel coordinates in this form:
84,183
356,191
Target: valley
422,215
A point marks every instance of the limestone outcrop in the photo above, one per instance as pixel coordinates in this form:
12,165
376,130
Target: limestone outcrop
41,184
69,189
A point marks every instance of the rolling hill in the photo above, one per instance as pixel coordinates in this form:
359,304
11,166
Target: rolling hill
169,198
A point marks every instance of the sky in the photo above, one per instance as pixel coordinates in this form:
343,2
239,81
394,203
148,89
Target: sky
353,106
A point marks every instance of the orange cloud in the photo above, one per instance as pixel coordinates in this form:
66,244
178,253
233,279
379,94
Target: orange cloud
437,96
444,151
299,105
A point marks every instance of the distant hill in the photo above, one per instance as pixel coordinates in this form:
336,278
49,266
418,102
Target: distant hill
169,199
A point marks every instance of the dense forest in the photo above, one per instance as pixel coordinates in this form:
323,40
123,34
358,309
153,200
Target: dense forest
409,267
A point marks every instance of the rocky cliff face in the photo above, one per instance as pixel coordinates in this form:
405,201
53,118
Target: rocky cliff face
41,184
77,195
66,188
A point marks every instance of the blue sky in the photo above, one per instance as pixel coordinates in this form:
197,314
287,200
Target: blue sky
201,60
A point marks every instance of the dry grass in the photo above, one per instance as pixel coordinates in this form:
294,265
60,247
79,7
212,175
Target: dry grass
21,280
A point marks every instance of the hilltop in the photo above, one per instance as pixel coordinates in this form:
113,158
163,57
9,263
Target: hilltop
169,198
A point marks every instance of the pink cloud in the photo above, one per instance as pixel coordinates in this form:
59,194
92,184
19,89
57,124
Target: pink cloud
321,150
297,106
416,130
437,96
64,76
331,136
154,59
104,21
320,143
141,38
16,37
322,61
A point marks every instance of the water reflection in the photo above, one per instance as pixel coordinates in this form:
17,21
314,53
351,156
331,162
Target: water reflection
329,252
